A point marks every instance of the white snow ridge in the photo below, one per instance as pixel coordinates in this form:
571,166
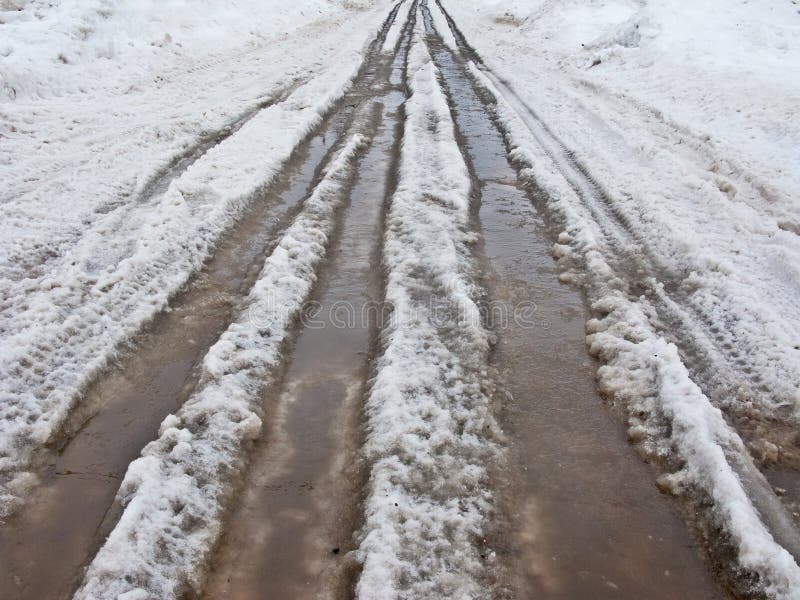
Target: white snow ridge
174,494
431,433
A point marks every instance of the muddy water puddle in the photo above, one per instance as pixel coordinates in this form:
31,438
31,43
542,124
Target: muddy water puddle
291,532
588,519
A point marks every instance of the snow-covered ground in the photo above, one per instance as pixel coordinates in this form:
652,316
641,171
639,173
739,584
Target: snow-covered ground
662,134
99,99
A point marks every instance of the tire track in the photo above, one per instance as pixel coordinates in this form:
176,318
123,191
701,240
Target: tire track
290,534
719,515
175,493
291,531
159,182
578,500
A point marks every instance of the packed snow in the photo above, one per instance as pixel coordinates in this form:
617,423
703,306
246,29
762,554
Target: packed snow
86,255
429,417
175,493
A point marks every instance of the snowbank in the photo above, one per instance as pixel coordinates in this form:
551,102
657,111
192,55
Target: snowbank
175,493
431,434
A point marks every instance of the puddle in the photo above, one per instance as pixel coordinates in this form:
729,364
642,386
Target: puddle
588,521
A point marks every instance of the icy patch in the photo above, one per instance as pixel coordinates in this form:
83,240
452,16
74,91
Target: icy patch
431,434
174,495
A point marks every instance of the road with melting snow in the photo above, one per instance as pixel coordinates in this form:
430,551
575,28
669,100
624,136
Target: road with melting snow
378,387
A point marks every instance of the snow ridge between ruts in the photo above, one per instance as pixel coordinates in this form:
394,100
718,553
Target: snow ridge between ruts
69,326
431,433
668,412
396,30
441,26
174,495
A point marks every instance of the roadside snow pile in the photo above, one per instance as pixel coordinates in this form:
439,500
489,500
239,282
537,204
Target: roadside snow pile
175,493
106,260
674,241
431,435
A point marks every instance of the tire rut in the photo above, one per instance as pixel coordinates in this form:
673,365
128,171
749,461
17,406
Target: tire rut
708,355
568,450
304,483
159,182
291,531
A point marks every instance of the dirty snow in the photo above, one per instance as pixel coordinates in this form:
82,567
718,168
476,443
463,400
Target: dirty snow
175,493
661,134
87,255
428,415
